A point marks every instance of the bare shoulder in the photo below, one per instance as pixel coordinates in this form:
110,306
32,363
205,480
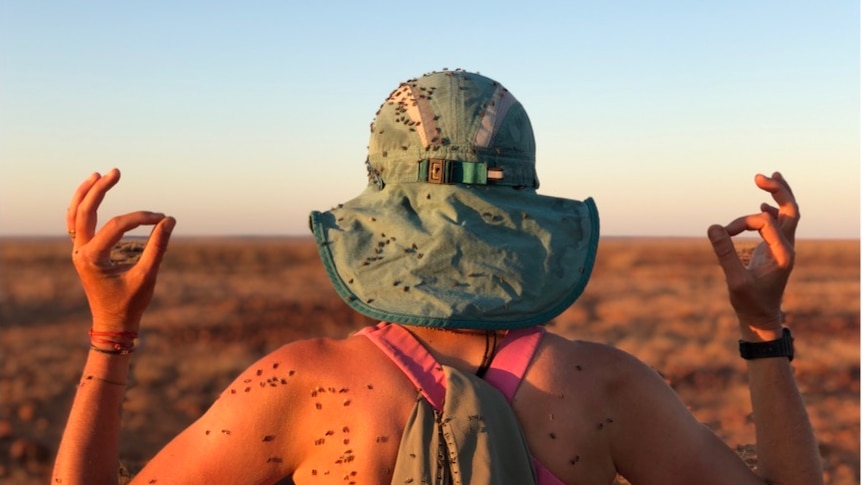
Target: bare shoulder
645,431
573,406
611,381
279,416
323,357
599,382
312,368
286,372
605,363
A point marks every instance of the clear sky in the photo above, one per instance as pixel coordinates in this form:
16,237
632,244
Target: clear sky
242,117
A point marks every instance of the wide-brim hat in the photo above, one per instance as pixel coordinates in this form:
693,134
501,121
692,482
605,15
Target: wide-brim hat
450,231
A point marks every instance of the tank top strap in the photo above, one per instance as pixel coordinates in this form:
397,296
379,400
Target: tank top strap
513,357
412,358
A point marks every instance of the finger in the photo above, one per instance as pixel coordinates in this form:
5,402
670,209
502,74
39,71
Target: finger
729,261
86,216
157,245
776,185
114,230
766,225
77,197
780,177
788,209
772,211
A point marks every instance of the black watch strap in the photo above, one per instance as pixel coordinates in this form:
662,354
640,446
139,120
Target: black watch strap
782,347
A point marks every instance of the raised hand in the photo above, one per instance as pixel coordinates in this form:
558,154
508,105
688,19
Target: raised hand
756,289
118,293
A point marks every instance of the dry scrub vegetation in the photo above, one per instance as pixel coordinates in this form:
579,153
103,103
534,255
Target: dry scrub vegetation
222,303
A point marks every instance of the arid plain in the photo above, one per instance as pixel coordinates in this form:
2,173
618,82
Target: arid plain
221,304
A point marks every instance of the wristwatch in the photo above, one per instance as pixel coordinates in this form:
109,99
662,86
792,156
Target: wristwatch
782,347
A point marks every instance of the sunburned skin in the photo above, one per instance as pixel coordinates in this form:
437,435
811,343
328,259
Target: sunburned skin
331,430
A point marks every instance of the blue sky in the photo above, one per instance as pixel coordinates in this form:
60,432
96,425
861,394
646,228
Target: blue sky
242,117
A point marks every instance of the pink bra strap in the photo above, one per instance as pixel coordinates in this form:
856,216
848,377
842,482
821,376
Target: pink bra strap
412,358
543,475
512,359
510,363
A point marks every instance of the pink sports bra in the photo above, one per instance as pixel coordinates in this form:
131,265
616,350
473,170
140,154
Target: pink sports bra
505,373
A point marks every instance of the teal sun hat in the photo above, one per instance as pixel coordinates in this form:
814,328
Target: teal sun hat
450,231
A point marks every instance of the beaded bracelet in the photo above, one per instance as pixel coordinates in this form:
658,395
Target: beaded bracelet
121,347
121,351
115,345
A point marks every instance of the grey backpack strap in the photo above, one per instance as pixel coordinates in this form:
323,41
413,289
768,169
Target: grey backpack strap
474,440
461,431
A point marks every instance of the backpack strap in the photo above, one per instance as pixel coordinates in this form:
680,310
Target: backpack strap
512,359
505,374
412,358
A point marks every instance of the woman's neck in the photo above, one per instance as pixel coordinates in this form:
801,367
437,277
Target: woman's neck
463,349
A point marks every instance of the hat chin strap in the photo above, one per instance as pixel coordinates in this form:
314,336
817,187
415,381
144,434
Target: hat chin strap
488,356
491,342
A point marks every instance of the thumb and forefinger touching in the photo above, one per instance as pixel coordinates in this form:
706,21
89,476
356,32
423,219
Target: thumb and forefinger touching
81,221
776,225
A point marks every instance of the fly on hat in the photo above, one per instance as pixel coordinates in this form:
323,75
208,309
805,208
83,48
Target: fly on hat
450,231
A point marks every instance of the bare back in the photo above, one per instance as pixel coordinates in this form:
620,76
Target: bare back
333,411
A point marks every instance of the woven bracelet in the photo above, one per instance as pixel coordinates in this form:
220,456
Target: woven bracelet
114,344
115,351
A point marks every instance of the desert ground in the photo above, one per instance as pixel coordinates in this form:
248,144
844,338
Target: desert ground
221,303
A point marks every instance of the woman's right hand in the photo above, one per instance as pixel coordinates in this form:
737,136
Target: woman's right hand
118,293
756,288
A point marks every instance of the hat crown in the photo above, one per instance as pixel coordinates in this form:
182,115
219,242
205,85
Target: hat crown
454,116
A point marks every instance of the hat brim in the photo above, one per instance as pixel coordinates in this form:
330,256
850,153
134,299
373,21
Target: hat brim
458,256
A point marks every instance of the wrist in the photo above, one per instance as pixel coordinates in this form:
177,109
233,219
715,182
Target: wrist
112,342
762,329
115,320
756,334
